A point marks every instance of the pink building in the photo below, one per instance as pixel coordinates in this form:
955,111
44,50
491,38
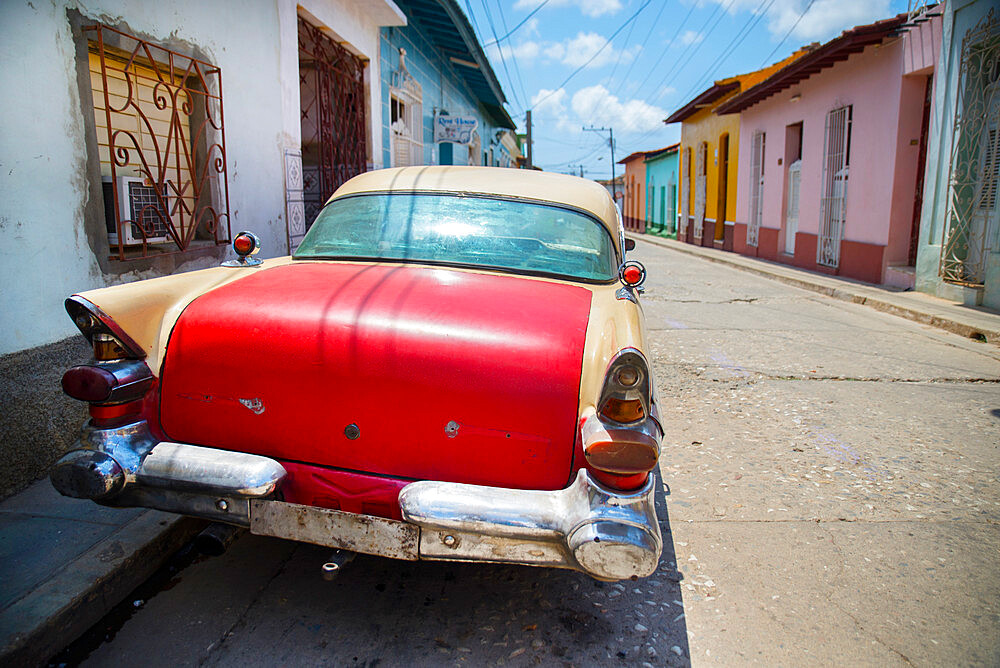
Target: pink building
832,151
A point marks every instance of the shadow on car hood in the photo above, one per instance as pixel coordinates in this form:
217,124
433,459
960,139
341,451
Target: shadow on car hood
398,370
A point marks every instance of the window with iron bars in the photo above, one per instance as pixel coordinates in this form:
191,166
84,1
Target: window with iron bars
972,226
161,144
836,167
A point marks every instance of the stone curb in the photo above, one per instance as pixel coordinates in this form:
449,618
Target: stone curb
62,608
841,289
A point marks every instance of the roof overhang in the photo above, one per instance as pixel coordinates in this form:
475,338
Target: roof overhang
709,96
449,31
836,50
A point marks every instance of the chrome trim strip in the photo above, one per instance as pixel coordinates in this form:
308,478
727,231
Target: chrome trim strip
75,303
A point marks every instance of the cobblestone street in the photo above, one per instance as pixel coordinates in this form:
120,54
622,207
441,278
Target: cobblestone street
830,497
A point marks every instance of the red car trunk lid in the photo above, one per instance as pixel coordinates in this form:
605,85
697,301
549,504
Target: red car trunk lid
435,373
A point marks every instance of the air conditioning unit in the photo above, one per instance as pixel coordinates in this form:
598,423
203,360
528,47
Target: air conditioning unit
140,206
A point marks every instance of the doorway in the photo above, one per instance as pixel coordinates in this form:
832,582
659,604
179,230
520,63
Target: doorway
332,107
720,212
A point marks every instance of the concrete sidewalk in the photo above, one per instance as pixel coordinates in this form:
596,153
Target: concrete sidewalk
971,322
64,563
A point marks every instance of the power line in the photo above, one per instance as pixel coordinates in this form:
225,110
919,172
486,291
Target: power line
787,34
597,53
621,52
747,28
665,51
517,69
523,21
642,46
503,61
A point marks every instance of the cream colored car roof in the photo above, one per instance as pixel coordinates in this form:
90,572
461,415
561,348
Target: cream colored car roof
520,183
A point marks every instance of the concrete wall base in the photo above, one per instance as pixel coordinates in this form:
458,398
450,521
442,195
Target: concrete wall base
38,423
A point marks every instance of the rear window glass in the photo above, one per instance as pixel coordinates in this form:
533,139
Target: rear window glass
463,230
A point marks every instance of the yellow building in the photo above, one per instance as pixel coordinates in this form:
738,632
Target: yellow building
709,159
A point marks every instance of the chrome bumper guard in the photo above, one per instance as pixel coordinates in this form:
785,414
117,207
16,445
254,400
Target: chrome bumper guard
126,466
587,527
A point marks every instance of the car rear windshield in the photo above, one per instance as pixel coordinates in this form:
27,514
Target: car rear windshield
466,230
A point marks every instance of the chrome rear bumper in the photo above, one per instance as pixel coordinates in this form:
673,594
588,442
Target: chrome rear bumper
607,534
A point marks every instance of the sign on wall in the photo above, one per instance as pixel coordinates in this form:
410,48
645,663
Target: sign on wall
454,129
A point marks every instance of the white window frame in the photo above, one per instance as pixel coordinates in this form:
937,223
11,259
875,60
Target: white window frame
757,152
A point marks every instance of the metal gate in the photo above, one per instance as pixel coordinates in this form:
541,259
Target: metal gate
971,228
756,189
700,190
833,205
331,85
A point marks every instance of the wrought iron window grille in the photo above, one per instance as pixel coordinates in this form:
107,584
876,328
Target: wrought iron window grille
972,226
161,137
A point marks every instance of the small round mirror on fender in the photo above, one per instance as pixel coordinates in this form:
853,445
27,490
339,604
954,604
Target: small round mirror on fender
629,244
245,244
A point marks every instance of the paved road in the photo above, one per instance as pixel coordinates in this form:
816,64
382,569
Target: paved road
831,497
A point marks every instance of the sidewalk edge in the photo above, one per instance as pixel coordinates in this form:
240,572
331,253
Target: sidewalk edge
844,293
65,606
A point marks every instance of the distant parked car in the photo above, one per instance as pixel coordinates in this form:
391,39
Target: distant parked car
451,366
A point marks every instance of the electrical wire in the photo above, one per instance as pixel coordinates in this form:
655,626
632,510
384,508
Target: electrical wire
621,52
523,21
597,53
642,46
747,28
503,61
517,69
670,43
787,34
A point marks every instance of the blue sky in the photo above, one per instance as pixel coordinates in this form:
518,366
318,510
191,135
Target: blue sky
636,61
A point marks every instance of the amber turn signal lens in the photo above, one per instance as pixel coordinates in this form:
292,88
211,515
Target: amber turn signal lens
624,457
623,410
107,348
243,244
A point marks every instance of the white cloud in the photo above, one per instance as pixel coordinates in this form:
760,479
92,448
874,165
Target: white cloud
824,20
595,105
547,101
523,52
580,49
587,7
667,91
690,37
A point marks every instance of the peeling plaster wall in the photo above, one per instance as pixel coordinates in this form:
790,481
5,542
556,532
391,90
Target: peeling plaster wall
48,198
52,239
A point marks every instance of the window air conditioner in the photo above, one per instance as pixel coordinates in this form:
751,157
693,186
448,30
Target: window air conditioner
139,206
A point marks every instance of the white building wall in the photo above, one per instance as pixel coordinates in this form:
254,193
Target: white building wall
45,254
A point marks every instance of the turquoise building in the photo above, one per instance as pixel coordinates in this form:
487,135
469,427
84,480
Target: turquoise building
661,191
435,67
958,256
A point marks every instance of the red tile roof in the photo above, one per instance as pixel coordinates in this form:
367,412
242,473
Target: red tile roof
838,49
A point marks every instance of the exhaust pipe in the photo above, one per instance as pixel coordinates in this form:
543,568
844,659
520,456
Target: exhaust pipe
340,558
216,538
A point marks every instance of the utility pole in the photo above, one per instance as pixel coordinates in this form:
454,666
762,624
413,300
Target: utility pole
611,143
573,168
531,164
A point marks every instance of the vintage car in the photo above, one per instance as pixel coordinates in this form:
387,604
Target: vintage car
450,367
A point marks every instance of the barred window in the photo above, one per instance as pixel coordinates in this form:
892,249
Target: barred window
161,144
